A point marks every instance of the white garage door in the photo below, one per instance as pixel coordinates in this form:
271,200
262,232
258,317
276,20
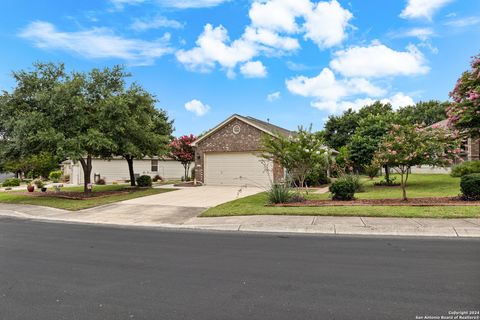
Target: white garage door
235,169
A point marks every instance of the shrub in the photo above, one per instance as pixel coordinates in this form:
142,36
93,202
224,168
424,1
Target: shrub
387,183
144,181
157,178
317,177
55,175
371,170
470,186
355,180
279,193
466,167
12,182
343,189
101,182
39,183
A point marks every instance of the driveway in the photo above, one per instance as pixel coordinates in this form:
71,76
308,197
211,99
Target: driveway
174,207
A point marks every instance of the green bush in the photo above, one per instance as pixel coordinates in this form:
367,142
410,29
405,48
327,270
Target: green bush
12,182
279,193
470,186
38,183
355,180
371,170
343,189
55,176
466,167
144,181
317,177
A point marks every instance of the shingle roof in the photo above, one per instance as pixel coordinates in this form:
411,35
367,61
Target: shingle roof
267,126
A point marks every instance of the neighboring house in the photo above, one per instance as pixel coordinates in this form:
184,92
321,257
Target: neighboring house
6,175
470,151
229,153
117,169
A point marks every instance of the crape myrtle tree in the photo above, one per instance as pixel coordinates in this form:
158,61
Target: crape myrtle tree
139,128
464,112
298,154
406,146
181,149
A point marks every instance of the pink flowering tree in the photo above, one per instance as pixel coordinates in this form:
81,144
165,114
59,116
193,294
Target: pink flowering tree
182,151
464,112
406,146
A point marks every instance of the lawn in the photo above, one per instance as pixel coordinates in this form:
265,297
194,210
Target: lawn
420,185
72,204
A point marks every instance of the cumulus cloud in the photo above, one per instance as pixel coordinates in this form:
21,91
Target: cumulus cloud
398,100
378,60
422,8
197,107
97,43
155,23
273,96
273,29
327,91
326,24
253,69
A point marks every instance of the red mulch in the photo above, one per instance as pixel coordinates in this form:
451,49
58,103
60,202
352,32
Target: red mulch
414,202
80,195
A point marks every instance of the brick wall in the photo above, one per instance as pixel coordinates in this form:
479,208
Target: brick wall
473,149
249,139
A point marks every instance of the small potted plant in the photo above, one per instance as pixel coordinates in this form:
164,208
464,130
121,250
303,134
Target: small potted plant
40,185
30,187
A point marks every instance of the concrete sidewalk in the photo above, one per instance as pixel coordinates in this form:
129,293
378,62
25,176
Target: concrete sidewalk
186,218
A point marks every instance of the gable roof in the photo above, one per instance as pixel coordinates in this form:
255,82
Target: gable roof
440,125
266,127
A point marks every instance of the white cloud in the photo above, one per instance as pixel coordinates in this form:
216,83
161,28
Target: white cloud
377,60
399,100
197,107
155,23
253,69
420,33
213,46
326,24
422,8
273,96
463,22
96,43
120,4
328,91
274,23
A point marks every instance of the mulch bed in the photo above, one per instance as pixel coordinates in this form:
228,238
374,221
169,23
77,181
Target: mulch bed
187,184
80,195
414,202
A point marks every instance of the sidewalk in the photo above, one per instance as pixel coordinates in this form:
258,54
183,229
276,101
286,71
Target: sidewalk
186,218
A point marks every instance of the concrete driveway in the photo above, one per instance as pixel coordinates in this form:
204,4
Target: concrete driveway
174,207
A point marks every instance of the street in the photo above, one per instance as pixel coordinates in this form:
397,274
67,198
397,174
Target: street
67,271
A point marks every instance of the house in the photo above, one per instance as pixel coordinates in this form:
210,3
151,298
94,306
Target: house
229,153
116,169
470,147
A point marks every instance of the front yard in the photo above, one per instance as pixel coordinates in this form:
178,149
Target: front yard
420,185
52,200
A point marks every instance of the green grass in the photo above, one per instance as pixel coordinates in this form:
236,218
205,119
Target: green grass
71,204
420,185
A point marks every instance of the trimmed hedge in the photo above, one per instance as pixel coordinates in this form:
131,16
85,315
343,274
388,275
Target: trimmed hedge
470,186
466,167
144,181
343,189
12,182
55,176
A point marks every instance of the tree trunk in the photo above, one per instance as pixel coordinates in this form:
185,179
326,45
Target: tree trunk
186,166
87,171
403,183
130,170
387,174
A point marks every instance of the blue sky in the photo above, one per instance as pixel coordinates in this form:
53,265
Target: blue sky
291,61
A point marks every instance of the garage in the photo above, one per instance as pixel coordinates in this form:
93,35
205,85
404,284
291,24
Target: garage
227,155
236,169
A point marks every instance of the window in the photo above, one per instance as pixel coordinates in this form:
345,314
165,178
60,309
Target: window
154,165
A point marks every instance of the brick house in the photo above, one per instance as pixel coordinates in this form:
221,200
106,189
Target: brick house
471,146
229,153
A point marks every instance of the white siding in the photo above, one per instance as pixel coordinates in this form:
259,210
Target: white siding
430,169
117,170
235,169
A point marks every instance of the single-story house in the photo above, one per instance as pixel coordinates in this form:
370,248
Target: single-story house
229,154
117,169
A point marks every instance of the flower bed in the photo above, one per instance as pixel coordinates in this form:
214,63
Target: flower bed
414,202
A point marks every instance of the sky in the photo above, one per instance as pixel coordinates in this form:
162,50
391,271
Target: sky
291,62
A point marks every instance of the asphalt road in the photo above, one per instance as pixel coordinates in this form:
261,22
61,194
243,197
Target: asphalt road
61,271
